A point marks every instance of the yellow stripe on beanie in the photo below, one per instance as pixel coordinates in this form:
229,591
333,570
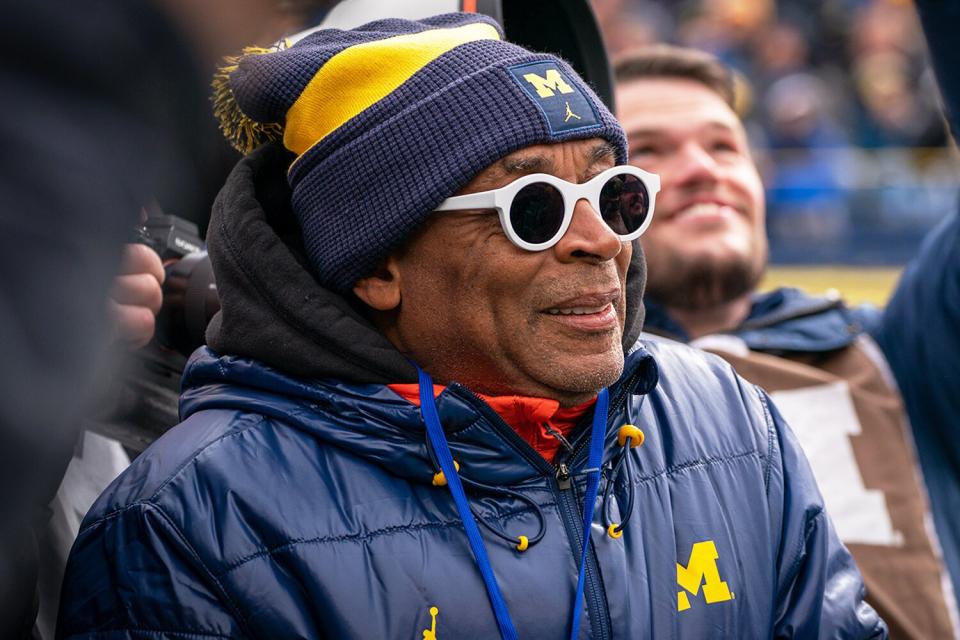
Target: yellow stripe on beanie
416,107
360,76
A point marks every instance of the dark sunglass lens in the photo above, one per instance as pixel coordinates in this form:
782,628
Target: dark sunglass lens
624,203
536,212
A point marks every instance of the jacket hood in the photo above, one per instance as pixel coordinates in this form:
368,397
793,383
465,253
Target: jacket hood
274,310
786,320
271,307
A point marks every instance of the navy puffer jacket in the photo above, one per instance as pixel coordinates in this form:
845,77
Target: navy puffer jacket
289,509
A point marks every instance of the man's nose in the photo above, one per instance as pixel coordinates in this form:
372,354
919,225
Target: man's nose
692,163
588,236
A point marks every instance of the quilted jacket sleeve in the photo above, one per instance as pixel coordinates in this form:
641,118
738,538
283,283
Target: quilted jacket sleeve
819,588
132,574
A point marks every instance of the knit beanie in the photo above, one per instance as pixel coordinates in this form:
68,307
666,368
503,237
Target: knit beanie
389,119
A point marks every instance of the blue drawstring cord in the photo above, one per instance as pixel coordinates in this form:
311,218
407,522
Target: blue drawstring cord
441,448
594,461
428,410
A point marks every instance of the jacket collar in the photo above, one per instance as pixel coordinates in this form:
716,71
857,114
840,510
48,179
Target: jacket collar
785,320
372,422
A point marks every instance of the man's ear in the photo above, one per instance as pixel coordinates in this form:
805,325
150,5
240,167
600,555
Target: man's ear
381,289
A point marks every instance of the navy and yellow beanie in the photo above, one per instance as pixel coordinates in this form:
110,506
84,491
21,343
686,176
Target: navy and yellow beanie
389,119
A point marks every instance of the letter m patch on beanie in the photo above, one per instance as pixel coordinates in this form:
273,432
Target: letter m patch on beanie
557,95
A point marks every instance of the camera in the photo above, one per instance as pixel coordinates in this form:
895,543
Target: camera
172,237
189,290
143,394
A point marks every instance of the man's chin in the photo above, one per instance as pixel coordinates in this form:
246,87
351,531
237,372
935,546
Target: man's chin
580,378
701,282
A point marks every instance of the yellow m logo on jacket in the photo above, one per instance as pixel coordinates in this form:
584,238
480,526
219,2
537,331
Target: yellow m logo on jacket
548,83
701,570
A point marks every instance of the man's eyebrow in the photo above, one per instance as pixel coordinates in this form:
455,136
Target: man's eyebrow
514,166
526,164
602,153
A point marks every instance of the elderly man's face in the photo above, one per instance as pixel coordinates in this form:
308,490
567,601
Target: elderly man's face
476,309
707,242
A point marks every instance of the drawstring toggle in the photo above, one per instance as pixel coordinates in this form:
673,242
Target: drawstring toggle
440,480
631,433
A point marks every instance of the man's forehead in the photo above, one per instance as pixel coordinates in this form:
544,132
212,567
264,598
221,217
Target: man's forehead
654,105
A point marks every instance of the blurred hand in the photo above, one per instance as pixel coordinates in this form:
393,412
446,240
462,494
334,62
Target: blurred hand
137,295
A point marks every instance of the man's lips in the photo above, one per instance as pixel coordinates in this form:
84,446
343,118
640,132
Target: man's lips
703,211
590,312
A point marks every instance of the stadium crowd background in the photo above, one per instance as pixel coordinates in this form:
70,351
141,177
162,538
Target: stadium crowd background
842,112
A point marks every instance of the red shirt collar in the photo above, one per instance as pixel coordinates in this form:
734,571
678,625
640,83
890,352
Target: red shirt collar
528,416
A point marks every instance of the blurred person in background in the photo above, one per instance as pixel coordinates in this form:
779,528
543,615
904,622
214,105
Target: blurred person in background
768,39
627,24
707,250
894,95
321,484
105,109
728,28
805,181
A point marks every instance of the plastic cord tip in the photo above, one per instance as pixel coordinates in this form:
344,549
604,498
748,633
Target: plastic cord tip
524,543
614,532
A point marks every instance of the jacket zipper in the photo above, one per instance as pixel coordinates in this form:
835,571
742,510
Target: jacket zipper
563,477
570,511
572,516
597,605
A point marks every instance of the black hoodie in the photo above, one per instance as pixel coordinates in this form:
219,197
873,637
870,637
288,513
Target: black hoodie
274,310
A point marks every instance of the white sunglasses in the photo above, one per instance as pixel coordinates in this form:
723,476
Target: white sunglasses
536,210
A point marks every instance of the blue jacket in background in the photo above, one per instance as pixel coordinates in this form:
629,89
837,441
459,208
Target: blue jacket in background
920,328
919,333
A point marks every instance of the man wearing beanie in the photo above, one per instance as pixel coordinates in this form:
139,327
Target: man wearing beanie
416,417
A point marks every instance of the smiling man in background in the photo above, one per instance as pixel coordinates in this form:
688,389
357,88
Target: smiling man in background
706,251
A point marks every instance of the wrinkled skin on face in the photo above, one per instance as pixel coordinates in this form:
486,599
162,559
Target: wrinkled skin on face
470,306
707,243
